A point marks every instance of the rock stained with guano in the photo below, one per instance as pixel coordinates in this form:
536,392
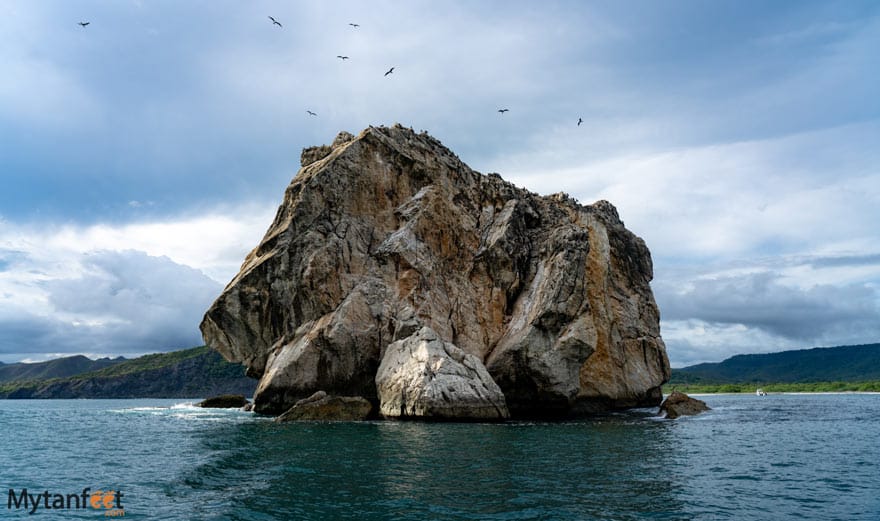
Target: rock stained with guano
386,246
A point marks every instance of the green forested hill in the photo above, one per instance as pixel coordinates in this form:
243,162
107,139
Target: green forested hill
190,373
58,368
830,364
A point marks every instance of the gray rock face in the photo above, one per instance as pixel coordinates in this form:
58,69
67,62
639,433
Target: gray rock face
421,376
322,407
388,232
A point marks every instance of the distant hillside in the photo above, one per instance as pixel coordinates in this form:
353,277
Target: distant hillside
58,368
190,373
829,364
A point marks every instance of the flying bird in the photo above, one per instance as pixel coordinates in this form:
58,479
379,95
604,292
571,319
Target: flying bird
354,25
311,113
580,120
83,24
389,71
503,110
342,57
276,22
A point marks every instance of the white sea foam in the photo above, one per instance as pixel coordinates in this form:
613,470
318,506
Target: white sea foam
186,405
199,416
129,410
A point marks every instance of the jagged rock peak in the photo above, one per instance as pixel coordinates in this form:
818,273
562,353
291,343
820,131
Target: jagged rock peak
388,250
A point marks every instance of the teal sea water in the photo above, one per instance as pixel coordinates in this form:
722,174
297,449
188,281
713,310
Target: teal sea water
779,457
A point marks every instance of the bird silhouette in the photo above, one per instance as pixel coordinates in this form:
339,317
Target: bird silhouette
311,113
503,110
580,121
276,22
83,24
342,57
354,25
389,71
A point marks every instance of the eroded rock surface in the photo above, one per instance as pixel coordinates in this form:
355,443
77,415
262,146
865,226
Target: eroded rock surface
386,233
679,404
421,376
323,407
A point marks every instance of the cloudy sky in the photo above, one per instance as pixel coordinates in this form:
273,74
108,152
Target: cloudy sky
143,155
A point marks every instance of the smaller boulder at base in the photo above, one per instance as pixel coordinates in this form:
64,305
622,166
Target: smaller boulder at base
323,407
421,376
224,401
679,404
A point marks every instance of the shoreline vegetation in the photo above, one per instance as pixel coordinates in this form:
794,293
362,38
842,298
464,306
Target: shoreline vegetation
751,387
838,369
188,373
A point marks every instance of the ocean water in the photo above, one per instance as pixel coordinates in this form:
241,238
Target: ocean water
779,457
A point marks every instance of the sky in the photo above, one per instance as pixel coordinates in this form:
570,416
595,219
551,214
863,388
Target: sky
143,155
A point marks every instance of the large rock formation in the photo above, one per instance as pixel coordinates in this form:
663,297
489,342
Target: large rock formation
387,237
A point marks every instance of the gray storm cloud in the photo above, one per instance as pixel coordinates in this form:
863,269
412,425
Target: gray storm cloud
761,301
122,302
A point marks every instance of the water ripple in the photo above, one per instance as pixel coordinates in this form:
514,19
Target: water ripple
797,457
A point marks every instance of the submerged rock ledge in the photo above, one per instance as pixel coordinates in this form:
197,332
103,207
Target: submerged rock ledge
395,273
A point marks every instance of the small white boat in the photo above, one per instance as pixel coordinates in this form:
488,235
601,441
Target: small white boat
760,392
